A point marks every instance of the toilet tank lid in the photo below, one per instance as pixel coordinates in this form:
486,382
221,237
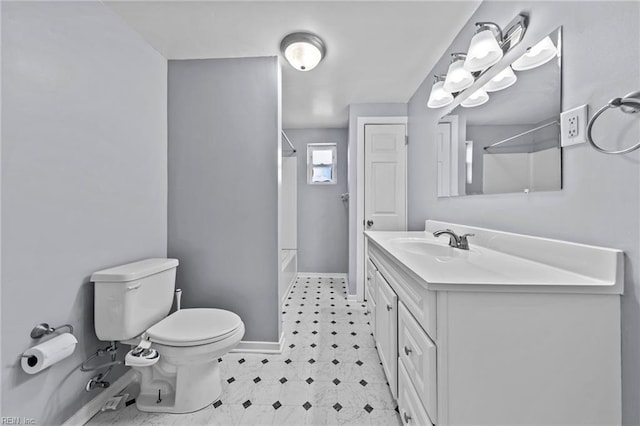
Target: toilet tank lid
134,271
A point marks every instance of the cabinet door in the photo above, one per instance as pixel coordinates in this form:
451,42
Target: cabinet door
417,352
370,283
371,311
411,410
387,331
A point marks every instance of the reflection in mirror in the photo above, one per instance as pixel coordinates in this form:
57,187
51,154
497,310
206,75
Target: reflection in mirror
510,143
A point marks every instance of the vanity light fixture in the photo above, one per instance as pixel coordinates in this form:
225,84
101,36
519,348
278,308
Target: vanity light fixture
439,97
539,54
487,48
477,98
484,49
458,78
502,80
303,51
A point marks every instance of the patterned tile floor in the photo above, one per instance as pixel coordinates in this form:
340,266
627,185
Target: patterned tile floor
328,374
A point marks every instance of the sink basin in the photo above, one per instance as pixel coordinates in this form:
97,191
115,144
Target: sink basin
424,247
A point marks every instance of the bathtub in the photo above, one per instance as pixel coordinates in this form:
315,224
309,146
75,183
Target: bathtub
288,272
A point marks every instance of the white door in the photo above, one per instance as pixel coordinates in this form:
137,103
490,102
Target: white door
385,157
447,152
443,145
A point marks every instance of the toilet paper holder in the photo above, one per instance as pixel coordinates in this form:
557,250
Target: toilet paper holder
44,329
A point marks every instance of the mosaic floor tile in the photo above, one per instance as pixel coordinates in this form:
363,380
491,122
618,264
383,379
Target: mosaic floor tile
328,374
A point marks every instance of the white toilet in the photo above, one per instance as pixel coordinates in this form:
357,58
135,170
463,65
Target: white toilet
176,356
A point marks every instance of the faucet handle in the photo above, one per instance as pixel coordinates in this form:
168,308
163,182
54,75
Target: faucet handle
464,242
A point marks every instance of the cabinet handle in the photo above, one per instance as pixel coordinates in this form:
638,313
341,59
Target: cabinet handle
407,419
389,307
407,351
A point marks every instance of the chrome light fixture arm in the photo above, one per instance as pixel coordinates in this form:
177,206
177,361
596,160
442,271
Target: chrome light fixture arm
481,26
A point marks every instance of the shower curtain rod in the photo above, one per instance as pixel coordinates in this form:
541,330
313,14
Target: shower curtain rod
288,141
493,145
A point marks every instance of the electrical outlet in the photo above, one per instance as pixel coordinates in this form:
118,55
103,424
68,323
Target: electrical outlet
573,126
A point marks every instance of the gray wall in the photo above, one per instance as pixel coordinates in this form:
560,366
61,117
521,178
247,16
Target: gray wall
84,182
483,136
224,158
323,238
599,203
355,111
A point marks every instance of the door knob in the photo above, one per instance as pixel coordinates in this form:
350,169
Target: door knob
369,223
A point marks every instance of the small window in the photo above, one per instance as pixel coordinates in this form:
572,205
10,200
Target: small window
321,163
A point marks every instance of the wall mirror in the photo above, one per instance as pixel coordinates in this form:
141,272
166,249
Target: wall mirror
510,142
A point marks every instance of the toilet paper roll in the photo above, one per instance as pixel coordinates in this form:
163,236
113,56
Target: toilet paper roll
48,353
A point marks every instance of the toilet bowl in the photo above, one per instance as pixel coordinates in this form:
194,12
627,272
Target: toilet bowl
186,376
175,356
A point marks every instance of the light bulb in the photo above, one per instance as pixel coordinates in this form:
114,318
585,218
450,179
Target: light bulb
502,80
477,98
439,97
484,51
458,78
537,55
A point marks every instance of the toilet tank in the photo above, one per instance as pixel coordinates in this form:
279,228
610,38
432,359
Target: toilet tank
128,299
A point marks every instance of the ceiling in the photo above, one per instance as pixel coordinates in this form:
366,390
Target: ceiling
378,51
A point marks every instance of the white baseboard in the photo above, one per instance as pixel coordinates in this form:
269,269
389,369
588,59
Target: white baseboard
322,275
247,346
91,408
286,293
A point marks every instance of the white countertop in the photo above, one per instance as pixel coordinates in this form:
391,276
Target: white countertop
486,266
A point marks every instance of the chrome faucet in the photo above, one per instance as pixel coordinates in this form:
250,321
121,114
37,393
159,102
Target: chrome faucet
460,242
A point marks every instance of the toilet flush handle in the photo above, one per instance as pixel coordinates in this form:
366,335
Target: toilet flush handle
134,287
178,298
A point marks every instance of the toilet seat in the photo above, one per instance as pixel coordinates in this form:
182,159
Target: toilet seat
193,327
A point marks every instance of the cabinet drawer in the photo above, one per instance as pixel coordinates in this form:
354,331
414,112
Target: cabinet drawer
409,406
418,354
371,278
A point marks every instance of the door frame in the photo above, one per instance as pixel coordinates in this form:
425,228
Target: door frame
360,239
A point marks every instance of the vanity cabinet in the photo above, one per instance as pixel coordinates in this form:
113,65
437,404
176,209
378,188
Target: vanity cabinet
461,353
386,331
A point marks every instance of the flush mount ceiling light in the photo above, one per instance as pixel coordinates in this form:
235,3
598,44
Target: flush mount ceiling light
458,78
477,98
504,79
303,51
537,55
439,97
